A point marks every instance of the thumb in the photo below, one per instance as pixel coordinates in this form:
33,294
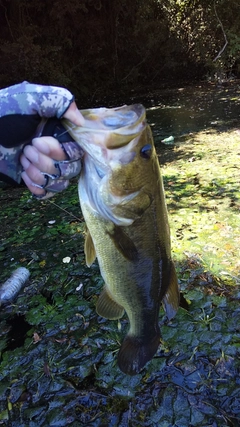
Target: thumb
74,115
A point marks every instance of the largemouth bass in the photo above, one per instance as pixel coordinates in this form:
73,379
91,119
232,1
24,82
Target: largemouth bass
122,200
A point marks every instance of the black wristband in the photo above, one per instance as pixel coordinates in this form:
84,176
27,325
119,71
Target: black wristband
54,128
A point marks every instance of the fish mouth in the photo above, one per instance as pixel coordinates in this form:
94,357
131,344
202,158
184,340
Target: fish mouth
122,118
108,128
100,171
102,161
108,139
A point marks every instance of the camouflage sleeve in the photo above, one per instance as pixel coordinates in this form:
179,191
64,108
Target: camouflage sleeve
30,99
22,108
10,167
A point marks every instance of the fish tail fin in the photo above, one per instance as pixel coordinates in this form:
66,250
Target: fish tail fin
135,352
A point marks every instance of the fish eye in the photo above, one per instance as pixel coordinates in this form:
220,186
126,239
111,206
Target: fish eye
146,151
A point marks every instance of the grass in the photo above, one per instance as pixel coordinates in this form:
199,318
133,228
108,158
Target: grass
203,197
58,358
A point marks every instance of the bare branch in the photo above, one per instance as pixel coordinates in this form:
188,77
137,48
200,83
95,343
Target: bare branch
224,34
7,21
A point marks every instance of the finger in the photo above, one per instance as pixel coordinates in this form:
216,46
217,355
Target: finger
74,115
32,172
35,190
49,146
42,162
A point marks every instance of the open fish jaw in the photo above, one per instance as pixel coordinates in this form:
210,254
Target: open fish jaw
123,119
108,127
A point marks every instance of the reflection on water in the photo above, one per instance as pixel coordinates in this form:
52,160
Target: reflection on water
183,111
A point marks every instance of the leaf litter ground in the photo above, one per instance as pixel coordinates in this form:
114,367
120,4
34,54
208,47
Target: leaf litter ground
58,358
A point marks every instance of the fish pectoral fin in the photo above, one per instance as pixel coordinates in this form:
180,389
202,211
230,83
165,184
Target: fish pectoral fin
123,243
171,297
89,249
107,307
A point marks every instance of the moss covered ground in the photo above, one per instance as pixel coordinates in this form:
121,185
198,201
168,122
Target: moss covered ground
58,358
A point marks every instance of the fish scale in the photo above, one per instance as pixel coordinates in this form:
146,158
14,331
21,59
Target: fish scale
126,217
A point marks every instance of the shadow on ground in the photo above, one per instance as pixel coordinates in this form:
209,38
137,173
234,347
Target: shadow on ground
58,360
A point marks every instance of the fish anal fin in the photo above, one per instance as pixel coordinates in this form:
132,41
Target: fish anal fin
172,296
89,249
123,243
135,352
107,307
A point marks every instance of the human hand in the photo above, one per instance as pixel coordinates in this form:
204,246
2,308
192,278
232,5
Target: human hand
48,165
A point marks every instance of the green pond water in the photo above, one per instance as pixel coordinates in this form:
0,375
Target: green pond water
58,358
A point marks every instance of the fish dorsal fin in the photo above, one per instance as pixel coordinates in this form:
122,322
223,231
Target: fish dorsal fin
123,243
171,297
89,249
107,307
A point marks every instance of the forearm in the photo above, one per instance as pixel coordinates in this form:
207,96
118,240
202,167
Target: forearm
22,108
28,98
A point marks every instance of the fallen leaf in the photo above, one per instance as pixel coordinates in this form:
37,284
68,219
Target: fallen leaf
36,338
66,260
